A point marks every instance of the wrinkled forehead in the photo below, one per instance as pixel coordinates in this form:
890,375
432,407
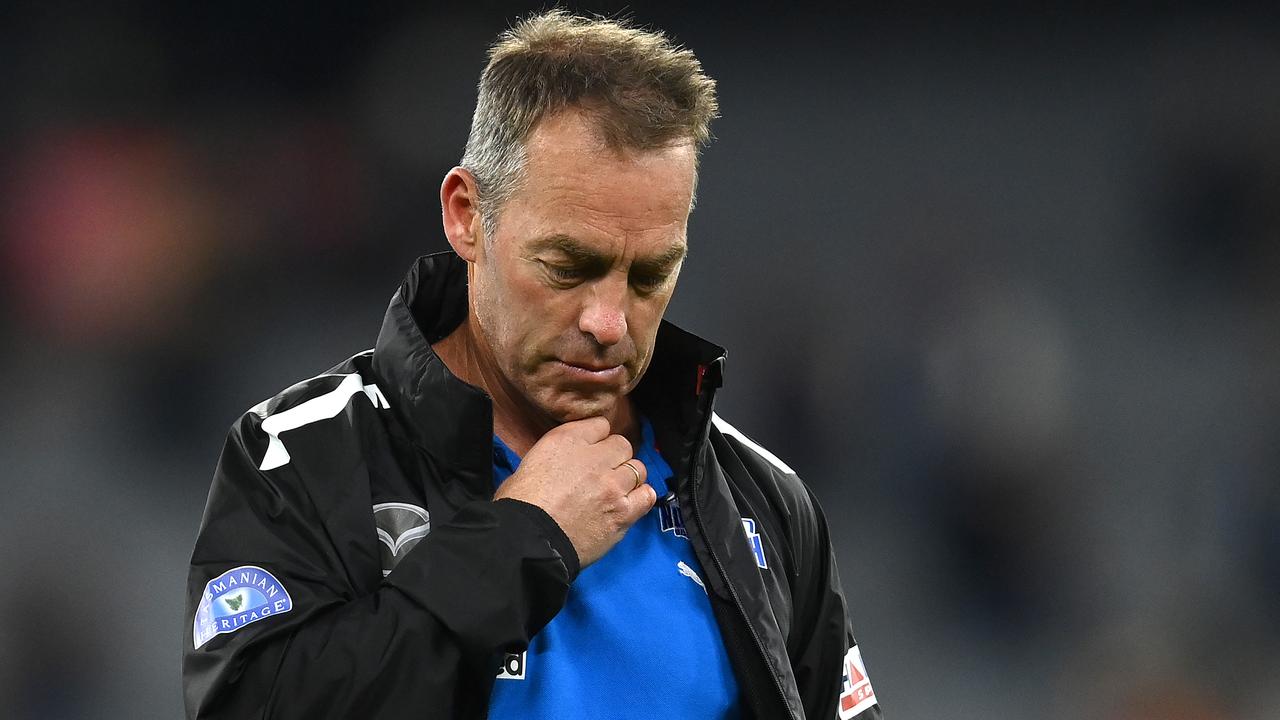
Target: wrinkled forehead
573,180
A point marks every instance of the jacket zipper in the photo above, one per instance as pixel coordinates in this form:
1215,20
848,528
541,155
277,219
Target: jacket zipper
733,592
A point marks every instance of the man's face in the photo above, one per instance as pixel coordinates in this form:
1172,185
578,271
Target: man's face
569,292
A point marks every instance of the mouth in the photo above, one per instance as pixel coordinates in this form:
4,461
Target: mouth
592,373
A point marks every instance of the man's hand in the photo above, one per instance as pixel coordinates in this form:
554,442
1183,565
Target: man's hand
575,472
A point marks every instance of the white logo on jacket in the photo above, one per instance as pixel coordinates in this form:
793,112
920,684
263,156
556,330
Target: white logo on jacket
321,407
400,526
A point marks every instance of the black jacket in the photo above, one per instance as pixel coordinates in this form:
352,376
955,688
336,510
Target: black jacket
294,496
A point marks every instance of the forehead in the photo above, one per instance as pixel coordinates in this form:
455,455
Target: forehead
576,186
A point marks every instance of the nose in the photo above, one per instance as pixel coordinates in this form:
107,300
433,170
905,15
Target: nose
604,316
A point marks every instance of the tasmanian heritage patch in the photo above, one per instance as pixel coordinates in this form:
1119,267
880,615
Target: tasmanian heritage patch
236,598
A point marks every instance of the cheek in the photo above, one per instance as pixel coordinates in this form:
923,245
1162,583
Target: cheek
534,321
497,307
644,322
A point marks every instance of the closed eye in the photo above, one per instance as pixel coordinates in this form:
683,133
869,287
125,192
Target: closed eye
564,274
648,283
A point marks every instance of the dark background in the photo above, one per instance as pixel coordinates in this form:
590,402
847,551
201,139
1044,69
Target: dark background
1000,284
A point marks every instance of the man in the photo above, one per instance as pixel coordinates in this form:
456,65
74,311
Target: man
520,503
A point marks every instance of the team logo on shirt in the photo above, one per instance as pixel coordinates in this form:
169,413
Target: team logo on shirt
856,694
400,527
669,516
512,667
753,539
237,598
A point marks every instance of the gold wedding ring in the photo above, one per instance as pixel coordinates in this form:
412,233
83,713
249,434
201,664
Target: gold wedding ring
635,472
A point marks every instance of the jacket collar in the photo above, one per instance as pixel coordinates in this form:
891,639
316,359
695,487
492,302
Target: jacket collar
452,421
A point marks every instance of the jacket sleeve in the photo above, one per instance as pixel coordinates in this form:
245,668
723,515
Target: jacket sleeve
830,674
276,627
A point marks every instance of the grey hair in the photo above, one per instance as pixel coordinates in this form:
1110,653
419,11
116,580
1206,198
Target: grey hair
496,158
642,91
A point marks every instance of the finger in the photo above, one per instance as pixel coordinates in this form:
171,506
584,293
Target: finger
592,429
640,501
618,448
630,475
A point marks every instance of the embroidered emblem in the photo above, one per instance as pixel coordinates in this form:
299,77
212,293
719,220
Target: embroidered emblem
753,539
237,598
400,527
856,694
669,516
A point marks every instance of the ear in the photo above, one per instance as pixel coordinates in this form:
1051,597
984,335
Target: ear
460,208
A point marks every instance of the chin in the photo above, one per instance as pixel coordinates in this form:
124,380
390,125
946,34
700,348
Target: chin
567,407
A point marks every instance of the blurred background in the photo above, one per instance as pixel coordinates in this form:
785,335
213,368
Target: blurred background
1001,285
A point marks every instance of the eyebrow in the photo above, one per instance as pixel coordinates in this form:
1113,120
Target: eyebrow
581,253
664,261
575,250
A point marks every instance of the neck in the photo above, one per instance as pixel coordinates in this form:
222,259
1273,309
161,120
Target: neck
518,422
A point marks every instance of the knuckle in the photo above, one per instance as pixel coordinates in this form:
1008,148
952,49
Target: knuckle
645,495
620,444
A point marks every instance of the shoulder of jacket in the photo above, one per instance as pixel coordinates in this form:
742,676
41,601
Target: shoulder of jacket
780,495
756,449
767,470
789,499
319,399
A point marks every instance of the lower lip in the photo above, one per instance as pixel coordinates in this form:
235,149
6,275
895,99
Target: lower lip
606,376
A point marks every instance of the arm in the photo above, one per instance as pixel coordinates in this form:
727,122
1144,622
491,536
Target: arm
422,643
827,660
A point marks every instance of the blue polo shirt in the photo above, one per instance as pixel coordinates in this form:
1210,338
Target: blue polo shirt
636,637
